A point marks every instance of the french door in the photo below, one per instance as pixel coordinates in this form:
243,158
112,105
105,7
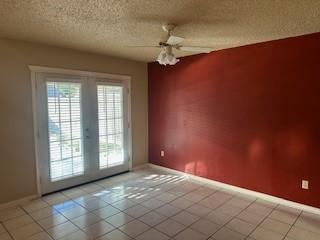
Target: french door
83,129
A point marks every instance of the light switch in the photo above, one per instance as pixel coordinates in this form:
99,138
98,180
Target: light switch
305,184
162,153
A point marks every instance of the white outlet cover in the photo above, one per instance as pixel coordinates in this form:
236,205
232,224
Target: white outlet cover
162,153
305,184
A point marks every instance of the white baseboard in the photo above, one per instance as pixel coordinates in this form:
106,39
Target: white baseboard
264,196
140,167
17,202
24,200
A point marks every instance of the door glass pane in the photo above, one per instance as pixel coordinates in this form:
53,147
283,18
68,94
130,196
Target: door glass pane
110,114
65,130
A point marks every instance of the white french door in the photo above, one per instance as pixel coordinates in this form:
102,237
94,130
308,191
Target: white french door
83,130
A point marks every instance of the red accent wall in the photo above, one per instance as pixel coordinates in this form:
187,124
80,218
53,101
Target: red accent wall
246,116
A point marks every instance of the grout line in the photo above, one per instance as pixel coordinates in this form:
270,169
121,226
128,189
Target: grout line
233,217
262,221
6,230
291,226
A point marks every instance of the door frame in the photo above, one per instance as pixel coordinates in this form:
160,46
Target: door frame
35,70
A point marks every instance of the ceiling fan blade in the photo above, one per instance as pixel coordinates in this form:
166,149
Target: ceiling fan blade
155,46
195,49
174,40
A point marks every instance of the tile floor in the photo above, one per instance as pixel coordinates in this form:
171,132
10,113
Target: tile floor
153,205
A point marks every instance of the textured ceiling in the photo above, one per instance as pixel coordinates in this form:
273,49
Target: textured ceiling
112,26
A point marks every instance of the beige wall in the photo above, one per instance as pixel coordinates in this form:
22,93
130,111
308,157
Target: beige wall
17,156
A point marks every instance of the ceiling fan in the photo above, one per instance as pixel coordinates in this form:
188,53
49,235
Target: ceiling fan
166,55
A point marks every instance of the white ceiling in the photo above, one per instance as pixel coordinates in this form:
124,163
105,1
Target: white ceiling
112,26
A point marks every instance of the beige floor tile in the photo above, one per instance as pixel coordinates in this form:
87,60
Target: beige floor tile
134,228
239,202
18,222
227,234
185,218
283,216
210,203
98,229
168,210
119,219
302,234
5,236
39,236
73,212
152,234
124,204
9,213
112,198
115,235
52,221
74,193
55,198
229,209
93,204
136,211
34,205
193,197
91,187
309,221
152,218
62,230
199,210
221,196
181,203
249,217
178,191
2,229
65,205
241,226
170,227
205,227
266,203
26,231
265,234
106,212
78,235
218,217
157,206
259,209
205,191
43,213
166,197
86,220
275,226
153,203
189,234
288,209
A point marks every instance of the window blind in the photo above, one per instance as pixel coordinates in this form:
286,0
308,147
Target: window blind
65,130
110,117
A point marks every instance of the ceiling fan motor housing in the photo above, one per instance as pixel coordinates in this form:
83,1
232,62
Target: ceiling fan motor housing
168,28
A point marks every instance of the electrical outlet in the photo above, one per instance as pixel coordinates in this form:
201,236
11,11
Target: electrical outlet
162,153
305,184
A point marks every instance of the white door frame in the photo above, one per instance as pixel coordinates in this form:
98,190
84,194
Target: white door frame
112,77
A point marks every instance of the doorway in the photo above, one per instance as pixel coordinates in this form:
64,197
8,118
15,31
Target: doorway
83,127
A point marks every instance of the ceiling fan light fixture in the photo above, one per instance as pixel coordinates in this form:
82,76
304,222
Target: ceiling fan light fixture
166,57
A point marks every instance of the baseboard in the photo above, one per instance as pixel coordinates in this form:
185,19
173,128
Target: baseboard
140,167
31,197
264,196
17,202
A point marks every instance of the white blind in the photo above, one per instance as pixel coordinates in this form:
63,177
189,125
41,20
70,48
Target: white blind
110,115
65,130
